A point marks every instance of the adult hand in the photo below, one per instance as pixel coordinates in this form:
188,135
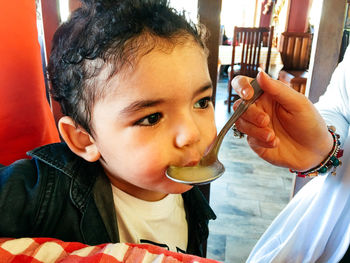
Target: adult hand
283,126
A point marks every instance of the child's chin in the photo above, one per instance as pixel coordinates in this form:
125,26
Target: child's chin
180,188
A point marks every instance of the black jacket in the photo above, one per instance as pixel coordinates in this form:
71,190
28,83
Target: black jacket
58,194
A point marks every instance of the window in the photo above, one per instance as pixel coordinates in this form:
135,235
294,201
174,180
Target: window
190,6
237,13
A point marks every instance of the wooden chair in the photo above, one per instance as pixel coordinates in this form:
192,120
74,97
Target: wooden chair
248,41
295,49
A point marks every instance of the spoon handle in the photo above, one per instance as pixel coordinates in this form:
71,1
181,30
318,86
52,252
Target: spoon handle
242,107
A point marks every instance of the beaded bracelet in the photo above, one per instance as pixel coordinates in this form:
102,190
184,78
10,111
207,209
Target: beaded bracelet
332,160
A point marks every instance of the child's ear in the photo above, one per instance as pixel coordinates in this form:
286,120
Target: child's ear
78,140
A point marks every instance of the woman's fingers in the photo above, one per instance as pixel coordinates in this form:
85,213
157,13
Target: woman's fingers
254,115
265,135
288,98
262,148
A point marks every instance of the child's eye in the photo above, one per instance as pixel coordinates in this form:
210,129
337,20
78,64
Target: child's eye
202,103
149,120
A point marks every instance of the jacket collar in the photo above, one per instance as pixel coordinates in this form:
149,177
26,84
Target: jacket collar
195,199
86,179
83,174
59,156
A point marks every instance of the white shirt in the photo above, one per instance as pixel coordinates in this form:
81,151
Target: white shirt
315,225
160,222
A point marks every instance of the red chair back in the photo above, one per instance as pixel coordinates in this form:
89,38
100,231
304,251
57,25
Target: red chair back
25,115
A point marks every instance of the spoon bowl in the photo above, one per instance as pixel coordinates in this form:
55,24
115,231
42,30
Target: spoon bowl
210,168
196,175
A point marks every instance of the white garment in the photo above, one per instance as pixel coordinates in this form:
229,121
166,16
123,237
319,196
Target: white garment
162,222
315,225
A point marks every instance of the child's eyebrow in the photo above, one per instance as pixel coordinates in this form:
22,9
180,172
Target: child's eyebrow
142,104
203,89
139,105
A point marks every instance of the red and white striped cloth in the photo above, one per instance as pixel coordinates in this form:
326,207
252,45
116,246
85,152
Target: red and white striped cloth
38,250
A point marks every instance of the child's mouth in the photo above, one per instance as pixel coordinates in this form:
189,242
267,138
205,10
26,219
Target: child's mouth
191,163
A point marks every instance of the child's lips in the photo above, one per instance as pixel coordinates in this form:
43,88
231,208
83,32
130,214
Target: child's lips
189,160
192,163
194,159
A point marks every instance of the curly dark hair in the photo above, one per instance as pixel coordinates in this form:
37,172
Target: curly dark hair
112,35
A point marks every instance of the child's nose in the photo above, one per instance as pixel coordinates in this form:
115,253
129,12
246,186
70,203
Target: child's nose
188,132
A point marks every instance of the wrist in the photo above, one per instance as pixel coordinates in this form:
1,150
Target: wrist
325,149
331,159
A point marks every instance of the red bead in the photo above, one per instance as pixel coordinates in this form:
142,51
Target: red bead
340,153
301,174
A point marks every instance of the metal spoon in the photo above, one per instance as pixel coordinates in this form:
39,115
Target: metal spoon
209,167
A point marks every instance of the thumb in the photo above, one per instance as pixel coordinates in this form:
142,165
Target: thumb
289,98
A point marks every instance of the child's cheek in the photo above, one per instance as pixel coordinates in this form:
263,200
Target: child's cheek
152,162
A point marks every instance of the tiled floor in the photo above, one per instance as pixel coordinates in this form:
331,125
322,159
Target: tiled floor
246,198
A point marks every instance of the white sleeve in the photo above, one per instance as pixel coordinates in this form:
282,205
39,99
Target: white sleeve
314,226
334,105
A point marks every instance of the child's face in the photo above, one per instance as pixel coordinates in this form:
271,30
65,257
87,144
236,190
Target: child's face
159,114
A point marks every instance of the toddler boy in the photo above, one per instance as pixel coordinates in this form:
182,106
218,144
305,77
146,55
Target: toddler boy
132,80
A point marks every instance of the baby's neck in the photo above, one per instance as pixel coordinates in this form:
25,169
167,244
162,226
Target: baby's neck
149,196
137,192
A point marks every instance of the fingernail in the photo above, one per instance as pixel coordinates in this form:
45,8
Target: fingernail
261,73
262,119
268,137
245,93
274,143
